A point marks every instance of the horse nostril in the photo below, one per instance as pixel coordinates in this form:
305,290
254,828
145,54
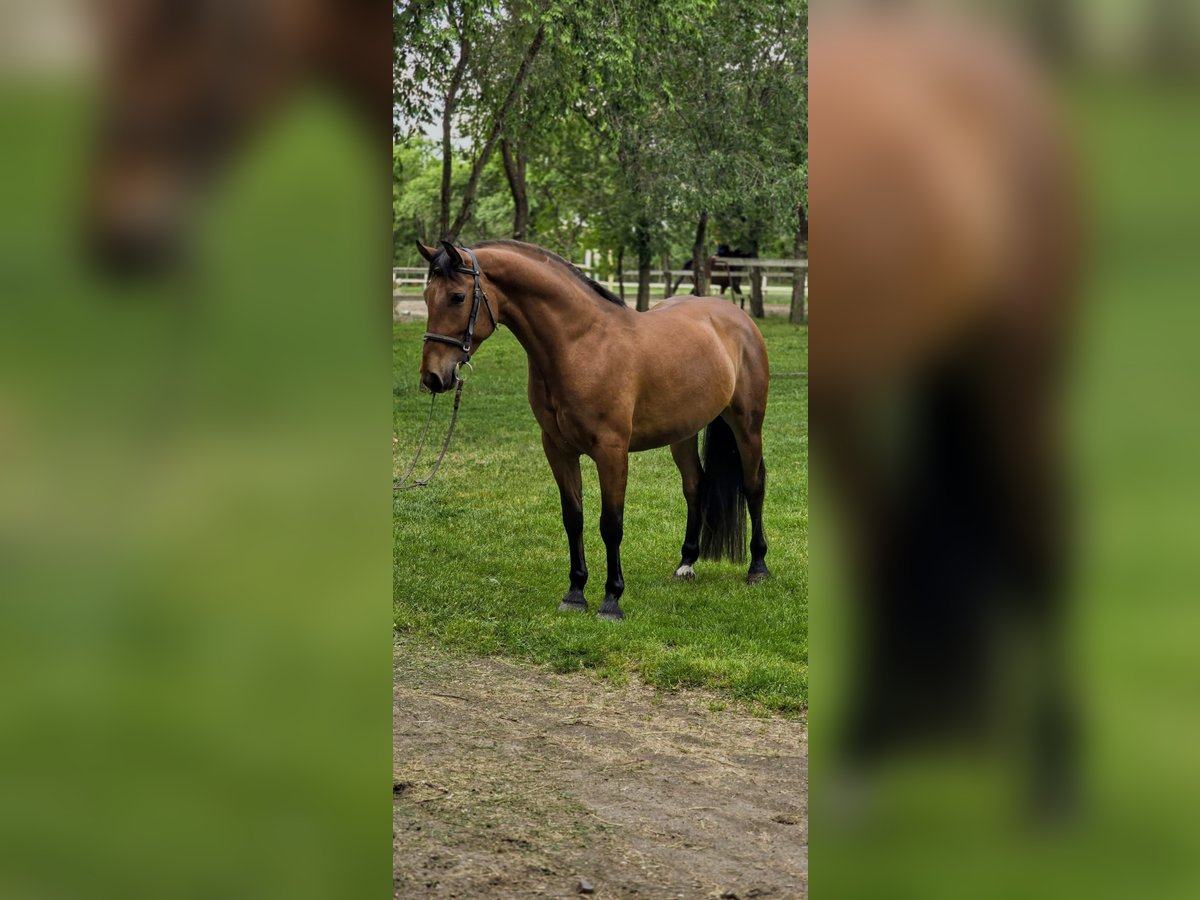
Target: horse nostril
432,381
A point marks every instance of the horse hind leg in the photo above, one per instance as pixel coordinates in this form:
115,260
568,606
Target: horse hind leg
687,457
746,425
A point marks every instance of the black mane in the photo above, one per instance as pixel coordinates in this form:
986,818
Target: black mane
441,265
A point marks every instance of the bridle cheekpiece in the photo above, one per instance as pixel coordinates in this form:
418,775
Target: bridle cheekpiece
479,298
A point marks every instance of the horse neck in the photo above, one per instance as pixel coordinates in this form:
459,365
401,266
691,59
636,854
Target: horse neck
547,309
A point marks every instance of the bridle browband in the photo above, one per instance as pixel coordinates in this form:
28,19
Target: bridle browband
465,343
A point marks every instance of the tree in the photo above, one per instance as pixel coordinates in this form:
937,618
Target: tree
798,313
515,163
714,126
700,256
754,73
435,63
499,114
641,129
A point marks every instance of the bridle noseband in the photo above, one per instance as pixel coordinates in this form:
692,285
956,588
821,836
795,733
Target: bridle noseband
466,342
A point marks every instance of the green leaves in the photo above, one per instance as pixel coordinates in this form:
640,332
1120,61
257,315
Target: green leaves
633,109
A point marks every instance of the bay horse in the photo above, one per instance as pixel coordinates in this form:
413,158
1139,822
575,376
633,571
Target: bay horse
605,381
186,83
948,251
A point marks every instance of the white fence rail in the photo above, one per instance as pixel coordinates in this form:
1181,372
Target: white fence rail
410,280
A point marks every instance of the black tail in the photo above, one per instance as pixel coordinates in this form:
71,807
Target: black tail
722,496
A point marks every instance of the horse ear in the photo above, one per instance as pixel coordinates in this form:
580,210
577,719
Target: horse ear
428,252
455,256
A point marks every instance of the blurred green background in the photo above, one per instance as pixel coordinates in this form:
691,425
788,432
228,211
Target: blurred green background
952,825
194,527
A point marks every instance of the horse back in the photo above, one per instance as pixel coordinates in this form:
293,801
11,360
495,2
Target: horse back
710,347
946,197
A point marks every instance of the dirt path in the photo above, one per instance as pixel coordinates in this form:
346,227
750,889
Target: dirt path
511,781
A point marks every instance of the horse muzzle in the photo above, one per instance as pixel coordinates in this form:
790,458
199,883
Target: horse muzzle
438,384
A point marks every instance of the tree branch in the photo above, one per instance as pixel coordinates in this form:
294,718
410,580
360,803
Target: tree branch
447,122
468,200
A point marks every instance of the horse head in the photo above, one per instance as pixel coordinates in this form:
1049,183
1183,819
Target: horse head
183,83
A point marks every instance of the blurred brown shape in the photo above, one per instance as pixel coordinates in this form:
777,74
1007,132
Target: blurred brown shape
186,82
945,249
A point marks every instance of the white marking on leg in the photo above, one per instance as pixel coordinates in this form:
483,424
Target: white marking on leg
685,572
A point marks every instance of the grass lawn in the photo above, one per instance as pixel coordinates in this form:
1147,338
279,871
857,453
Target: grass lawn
480,557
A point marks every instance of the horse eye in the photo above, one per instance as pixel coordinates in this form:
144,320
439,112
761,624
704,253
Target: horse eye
456,299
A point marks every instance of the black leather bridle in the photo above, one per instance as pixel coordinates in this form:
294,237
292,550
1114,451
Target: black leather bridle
466,342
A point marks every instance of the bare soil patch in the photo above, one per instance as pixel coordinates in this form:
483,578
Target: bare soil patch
513,781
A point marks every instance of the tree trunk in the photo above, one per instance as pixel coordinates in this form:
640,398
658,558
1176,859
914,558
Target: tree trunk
447,148
468,199
621,272
645,261
666,264
643,293
799,311
700,257
756,289
514,168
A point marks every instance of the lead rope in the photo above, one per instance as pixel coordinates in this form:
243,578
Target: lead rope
403,480
402,484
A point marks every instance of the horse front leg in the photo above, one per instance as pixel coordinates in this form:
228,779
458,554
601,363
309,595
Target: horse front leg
612,465
565,465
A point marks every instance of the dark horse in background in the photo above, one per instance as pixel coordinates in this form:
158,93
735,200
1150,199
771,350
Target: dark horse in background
598,387
185,83
725,276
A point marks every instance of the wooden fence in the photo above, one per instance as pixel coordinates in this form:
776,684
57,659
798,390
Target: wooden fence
778,276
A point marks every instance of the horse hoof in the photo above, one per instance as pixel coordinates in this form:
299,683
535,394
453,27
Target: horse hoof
685,573
757,575
573,602
610,611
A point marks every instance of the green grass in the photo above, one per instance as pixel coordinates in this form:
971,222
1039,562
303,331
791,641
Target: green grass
943,827
480,558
